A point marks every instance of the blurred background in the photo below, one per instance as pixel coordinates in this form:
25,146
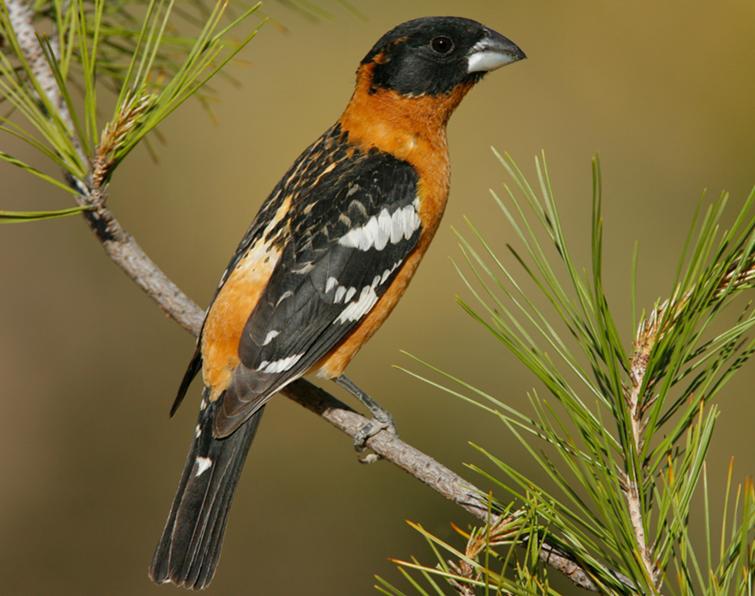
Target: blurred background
89,460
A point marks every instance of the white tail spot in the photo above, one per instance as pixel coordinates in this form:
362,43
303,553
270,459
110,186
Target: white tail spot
203,464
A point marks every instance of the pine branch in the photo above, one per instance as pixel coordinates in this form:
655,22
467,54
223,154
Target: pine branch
617,500
20,14
650,331
637,370
125,252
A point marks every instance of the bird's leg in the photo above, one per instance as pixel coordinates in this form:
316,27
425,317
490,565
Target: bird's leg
381,418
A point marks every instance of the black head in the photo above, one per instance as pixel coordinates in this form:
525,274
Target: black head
433,55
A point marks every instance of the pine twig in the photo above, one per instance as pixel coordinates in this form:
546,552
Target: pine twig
645,341
125,252
649,333
20,15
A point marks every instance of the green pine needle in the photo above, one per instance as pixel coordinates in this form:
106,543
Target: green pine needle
28,216
142,50
625,412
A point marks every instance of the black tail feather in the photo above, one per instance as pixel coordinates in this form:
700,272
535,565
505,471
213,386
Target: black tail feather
195,365
189,548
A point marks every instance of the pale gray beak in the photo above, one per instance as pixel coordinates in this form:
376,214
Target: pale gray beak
491,52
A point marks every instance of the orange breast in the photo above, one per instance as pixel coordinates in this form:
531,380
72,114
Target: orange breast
412,129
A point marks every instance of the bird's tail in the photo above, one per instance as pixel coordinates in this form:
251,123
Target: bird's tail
189,548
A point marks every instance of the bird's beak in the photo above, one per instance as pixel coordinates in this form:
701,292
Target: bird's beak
491,52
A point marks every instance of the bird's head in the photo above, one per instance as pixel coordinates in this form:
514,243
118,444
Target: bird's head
415,76
436,55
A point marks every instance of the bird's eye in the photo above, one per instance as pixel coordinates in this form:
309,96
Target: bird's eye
442,44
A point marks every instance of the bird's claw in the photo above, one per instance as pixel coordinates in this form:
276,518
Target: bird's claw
379,423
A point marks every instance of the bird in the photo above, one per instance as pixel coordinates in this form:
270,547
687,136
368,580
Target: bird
322,265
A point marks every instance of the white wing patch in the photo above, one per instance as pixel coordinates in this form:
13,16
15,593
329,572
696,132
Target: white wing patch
343,294
365,301
270,337
279,366
384,228
362,305
380,229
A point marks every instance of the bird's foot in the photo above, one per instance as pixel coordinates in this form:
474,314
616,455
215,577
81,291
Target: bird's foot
382,421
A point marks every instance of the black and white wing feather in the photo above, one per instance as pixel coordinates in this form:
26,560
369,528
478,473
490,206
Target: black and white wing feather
348,235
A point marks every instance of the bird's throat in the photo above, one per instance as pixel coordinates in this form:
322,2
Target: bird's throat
398,124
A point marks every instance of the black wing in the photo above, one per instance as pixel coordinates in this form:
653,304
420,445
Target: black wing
329,148
348,235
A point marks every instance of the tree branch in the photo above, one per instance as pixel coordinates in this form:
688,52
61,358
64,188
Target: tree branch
637,370
650,331
125,252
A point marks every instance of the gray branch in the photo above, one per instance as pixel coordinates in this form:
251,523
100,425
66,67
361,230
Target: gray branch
125,252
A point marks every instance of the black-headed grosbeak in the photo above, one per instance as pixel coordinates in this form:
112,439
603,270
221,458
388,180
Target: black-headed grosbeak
323,264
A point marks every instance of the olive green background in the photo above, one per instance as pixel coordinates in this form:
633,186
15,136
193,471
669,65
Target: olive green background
88,457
